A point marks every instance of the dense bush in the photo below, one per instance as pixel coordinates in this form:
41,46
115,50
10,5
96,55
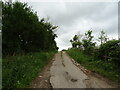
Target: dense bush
110,51
23,31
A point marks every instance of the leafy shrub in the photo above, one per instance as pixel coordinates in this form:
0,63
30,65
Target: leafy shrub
110,51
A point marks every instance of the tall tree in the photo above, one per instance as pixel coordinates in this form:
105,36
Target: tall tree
23,32
88,42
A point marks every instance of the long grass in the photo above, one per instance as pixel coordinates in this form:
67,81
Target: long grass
19,71
106,69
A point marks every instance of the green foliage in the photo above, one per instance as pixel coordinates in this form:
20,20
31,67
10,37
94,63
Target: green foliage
106,69
79,56
104,59
102,38
19,71
87,42
23,32
76,42
110,51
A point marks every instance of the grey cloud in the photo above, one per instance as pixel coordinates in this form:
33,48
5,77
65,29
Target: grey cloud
78,17
77,11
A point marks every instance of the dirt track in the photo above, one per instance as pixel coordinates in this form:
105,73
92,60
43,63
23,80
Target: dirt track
64,72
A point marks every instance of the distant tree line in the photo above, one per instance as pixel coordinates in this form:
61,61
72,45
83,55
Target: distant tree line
108,50
23,32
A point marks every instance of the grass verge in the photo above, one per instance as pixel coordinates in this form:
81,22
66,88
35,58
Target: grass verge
106,69
19,71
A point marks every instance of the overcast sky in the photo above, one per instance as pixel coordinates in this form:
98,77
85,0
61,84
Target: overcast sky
78,17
